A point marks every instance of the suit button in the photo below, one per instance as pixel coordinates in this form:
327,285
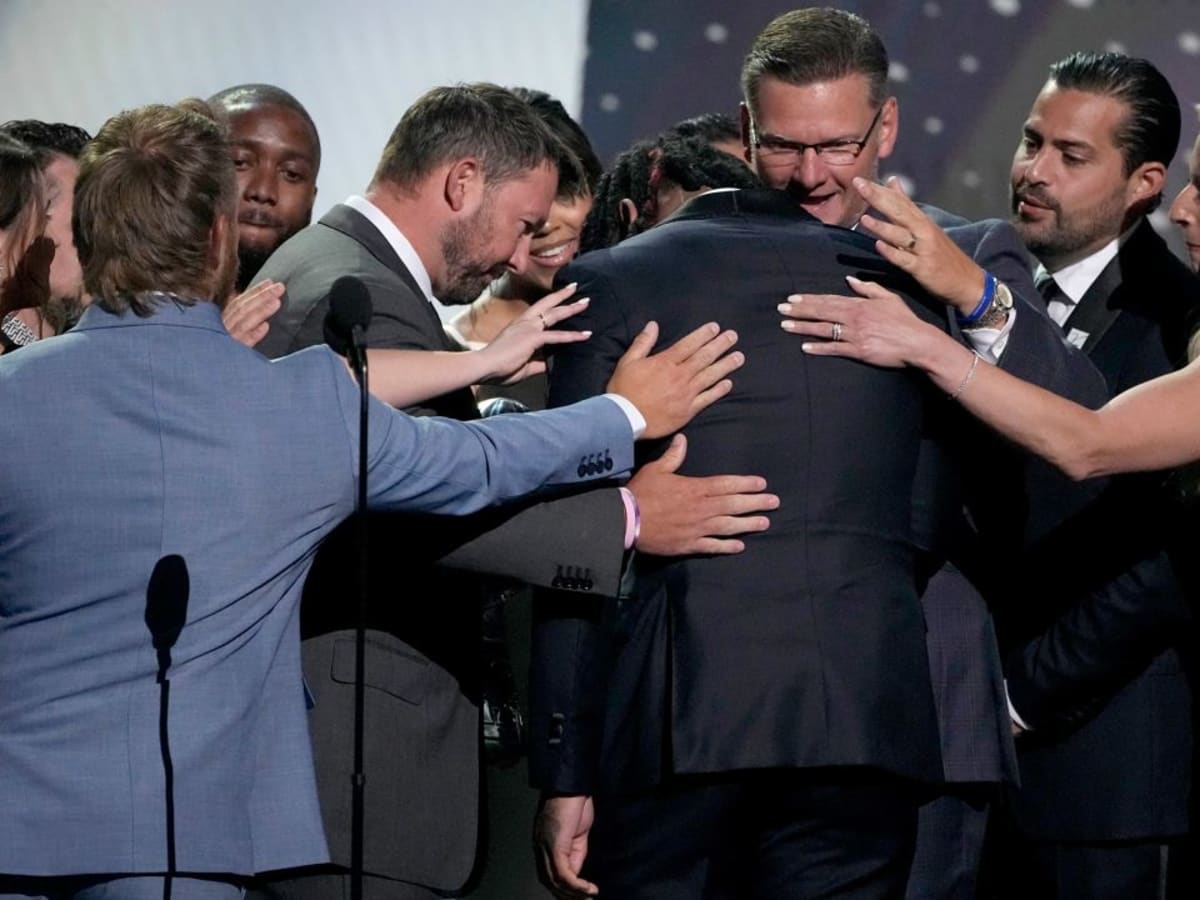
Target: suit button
558,727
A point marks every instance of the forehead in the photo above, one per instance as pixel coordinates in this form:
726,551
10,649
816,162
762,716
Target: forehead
814,112
268,124
1065,114
62,170
528,195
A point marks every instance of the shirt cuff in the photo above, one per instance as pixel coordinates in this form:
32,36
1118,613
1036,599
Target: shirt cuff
633,518
636,420
989,343
1012,711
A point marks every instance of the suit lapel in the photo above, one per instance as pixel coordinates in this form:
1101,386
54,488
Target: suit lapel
358,228
1095,314
1105,300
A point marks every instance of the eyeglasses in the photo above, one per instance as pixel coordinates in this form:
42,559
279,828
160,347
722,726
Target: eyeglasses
777,152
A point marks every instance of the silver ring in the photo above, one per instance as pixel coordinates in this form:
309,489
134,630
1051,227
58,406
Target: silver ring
837,331
912,244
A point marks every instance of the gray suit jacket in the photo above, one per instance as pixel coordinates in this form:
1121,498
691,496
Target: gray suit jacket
162,436
422,741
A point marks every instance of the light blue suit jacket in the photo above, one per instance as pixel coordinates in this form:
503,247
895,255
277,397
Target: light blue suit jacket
130,439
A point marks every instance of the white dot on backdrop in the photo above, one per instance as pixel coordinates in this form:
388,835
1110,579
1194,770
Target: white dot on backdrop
1189,42
610,102
716,32
1081,4
1115,47
1006,7
969,63
1161,221
932,10
934,125
971,178
645,40
898,71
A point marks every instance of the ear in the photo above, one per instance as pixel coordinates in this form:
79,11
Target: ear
1145,183
889,127
745,121
629,213
218,236
463,187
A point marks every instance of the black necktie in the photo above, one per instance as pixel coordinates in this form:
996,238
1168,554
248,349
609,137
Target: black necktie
1053,295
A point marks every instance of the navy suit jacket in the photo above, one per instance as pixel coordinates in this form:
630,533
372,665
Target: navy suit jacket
808,649
130,439
1097,614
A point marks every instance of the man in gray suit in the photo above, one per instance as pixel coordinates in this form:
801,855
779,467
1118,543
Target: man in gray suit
162,446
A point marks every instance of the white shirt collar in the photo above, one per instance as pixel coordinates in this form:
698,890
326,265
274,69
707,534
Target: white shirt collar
1076,279
395,237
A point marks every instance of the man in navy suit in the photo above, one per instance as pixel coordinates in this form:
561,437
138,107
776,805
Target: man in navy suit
1097,622
157,437
816,116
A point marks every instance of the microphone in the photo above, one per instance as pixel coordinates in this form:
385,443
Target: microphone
348,317
166,606
166,613
345,332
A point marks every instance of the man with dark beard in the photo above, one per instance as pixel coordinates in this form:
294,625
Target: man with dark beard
277,154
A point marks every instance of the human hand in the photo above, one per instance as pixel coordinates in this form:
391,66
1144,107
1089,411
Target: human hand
672,386
682,515
912,241
246,315
560,836
509,355
28,285
876,327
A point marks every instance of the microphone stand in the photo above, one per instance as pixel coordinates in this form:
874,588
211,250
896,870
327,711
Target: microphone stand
358,362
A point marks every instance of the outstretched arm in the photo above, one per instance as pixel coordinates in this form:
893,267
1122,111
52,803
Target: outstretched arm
1153,426
404,378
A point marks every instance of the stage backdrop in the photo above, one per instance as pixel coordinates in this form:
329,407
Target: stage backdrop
965,73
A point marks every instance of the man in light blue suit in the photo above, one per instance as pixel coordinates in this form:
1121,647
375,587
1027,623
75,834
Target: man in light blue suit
155,435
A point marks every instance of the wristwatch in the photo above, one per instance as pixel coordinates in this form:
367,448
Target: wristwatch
997,313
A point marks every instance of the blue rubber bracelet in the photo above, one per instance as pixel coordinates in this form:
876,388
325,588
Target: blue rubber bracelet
989,293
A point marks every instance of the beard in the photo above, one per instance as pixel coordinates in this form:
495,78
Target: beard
63,311
1064,235
464,248
250,261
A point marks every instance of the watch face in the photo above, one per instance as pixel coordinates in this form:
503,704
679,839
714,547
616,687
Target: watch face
1004,298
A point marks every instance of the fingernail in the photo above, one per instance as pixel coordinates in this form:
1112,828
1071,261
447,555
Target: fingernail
573,285
787,325
783,307
852,278
584,300
586,333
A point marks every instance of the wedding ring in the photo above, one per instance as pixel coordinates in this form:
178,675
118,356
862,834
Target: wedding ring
912,244
837,331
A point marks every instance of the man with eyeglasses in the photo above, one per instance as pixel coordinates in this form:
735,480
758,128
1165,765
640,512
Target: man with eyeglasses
816,117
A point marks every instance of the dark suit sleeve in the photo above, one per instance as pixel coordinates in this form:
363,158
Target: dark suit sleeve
1102,641
571,654
1036,351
